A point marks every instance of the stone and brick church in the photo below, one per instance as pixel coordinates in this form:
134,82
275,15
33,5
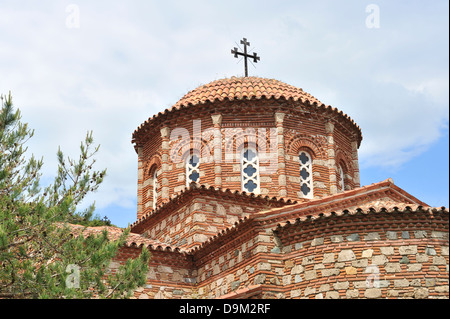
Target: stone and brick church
249,188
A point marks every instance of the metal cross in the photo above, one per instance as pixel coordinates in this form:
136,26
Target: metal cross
245,55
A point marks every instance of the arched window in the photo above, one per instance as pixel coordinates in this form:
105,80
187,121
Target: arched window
192,170
155,188
342,178
250,170
306,176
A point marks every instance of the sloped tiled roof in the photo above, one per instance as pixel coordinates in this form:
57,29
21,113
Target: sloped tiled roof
316,209
132,240
369,208
291,214
390,207
373,195
194,189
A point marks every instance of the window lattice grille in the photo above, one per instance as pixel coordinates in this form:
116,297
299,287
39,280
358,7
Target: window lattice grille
250,171
342,181
155,188
306,180
192,170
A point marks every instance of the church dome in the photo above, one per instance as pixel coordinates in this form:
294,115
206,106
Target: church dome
236,89
247,134
239,88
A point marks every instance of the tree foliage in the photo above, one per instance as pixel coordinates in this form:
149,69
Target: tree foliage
40,257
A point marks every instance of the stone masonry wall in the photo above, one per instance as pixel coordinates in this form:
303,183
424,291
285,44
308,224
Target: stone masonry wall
375,255
349,267
353,258
382,255
170,276
200,218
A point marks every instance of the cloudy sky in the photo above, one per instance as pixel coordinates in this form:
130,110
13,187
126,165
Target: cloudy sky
107,66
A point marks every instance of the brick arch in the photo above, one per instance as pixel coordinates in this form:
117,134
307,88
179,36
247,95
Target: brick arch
185,148
294,144
308,150
342,159
237,139
152,164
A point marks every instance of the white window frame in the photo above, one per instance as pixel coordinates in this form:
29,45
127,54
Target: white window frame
309,180
255,177
190,169
342,180
155,188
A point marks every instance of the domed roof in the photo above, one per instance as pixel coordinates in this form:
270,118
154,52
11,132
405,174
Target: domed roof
238,88
241,88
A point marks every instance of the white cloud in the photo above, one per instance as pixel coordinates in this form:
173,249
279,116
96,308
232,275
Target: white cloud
127,62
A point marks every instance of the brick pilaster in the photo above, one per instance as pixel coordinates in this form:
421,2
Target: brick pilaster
356,179
329,129
140,183
165,158
282,188
217,122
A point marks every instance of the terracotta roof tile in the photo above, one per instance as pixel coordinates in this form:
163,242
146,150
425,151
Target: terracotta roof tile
133,240
379,205
289,214
211,191
393,208
240,88
369,208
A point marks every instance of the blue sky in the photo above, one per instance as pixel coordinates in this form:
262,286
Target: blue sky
106,66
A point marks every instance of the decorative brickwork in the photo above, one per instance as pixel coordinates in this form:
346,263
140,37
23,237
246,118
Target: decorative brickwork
310,231
279,124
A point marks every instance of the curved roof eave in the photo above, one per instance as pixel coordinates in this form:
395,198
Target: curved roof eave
248,88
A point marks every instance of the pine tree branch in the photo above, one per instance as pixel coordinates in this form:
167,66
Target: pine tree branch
13,277
17,243
113,290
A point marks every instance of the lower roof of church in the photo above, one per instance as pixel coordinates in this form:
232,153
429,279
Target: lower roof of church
370,200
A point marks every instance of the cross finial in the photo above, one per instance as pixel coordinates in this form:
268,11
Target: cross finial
245,55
